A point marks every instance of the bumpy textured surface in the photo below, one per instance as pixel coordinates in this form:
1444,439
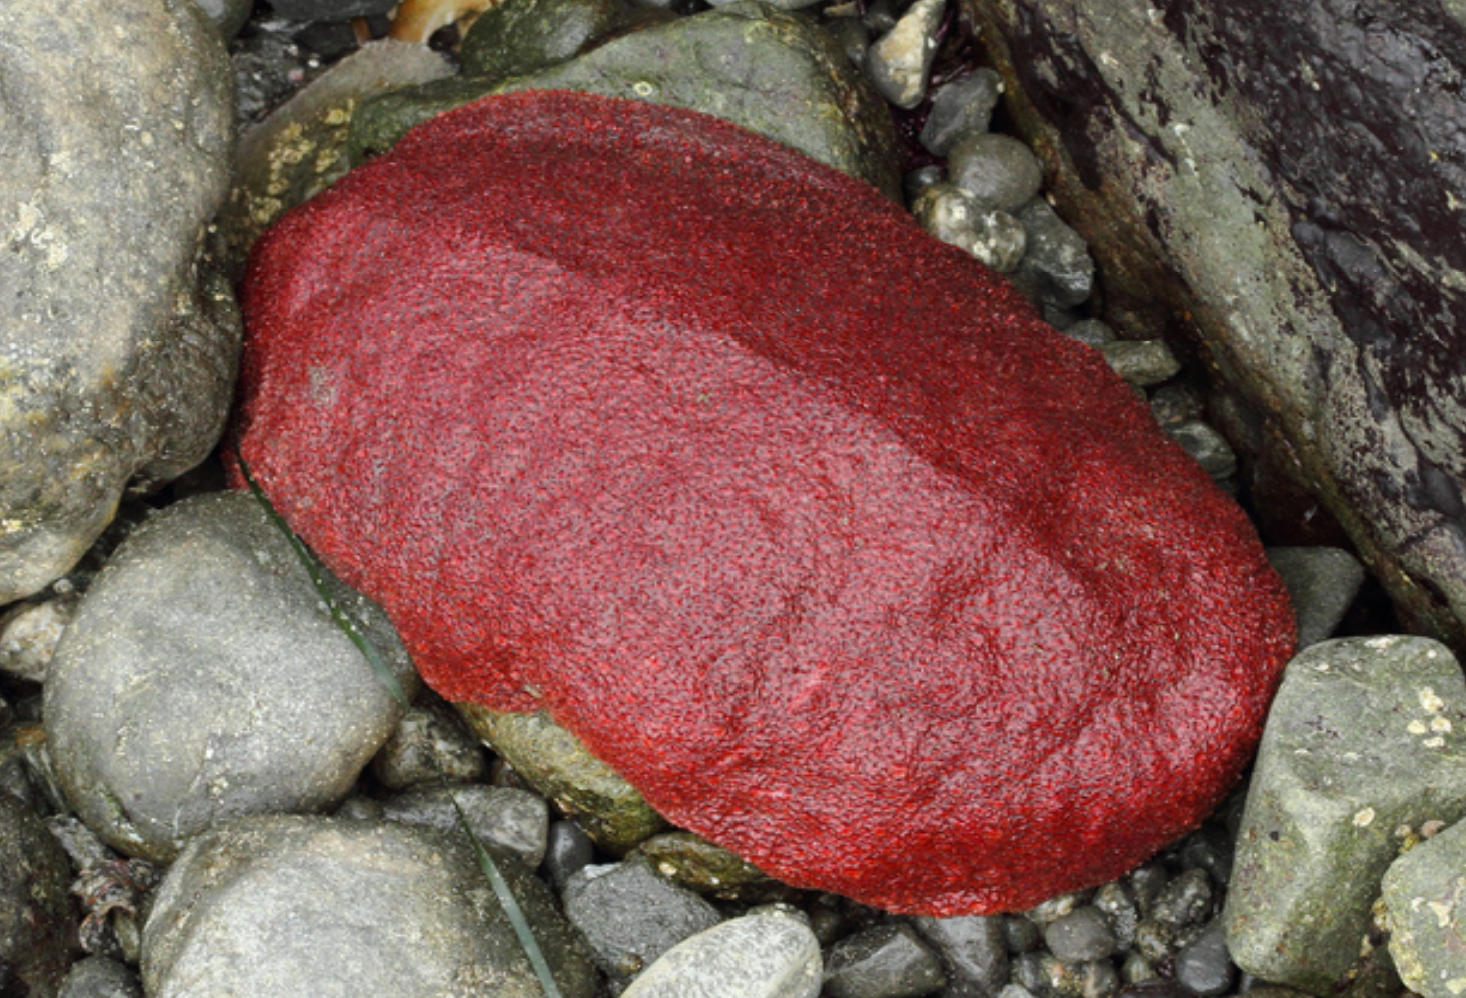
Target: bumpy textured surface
799,518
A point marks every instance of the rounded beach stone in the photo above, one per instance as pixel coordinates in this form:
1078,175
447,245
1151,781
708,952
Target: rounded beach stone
764,954
276,906
203,679
645,438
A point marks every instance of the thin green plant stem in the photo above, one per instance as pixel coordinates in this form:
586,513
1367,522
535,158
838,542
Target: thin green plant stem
344,620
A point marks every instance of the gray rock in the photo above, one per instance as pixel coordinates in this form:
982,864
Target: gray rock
1048,977
764,954
513,39
29,633
958,218
100,977
228,15
514,821
1322,582
712,871
37,921
1204,966
330,10
430,743
630,916
119,344
960,108
1118,904
1093,332
1265,167
278,906
913,182
1206,445
1140,362
1362,745
971,947
1083,934
884,961
203,679
852,36
997,169
899,63
772,72
1020,934
556,764
1185,901
1176,403
1057,270
1056,907
1425,904
299,150
568,850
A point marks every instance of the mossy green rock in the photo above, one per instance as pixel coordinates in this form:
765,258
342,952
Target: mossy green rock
511,39
558,766
1362,747
771,72
1425,897
693,862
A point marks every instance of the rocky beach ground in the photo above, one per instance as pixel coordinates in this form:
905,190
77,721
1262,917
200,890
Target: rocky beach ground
209,792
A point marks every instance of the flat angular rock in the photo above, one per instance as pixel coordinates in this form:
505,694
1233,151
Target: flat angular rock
1362,747
117,344
628,414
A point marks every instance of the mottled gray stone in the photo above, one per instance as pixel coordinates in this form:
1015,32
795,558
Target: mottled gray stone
1118,903
884,961
764,954
630,916
514,821
278,906
29,633
1208,447
1322,583
1425,903
971,947
100,977
712,871
772,72
1057,269
37,921
1204,966
899,63
556,764
228,15
1141,362
1363,745
1046,976
568,850
118,345
203,678
958,218
959,108
997,169
430,743
1288,176
1083,934
1186,900
1091,331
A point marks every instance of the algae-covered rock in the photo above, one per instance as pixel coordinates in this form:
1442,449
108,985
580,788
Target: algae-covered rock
771,72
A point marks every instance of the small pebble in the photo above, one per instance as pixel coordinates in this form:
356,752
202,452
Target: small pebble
959,219
1083,934
429,743
1209,848
1056,907
28,636
568,851
960,108
1136,968
1175,402
1020,934
1323,583
1146,883
853,38
900,62
917,180
1204,965
629,916
1116,901
100,977
972,951
1057,269
1091,331
769,953
1207,446
1153,941
1185,901
997,169
884,961
1141,362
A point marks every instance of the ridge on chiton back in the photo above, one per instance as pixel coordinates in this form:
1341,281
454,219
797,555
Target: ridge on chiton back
802,521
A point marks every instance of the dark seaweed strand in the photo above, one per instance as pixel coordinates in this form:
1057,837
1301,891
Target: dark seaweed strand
344,620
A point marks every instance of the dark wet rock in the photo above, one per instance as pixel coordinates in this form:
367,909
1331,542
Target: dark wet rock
1322,583
771,72
884,961
959,108
770,953
100,977
1289,177
568,850
514,821
1203,965
37,920
280,906
119,347
430,743
1208,447
1361,749
555,763
971,947
203,678
630,916
899,63
1057,269
512,39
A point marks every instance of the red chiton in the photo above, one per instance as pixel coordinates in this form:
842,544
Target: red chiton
801,520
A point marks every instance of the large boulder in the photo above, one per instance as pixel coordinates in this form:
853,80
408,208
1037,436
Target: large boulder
801,520
1282,182
117,345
